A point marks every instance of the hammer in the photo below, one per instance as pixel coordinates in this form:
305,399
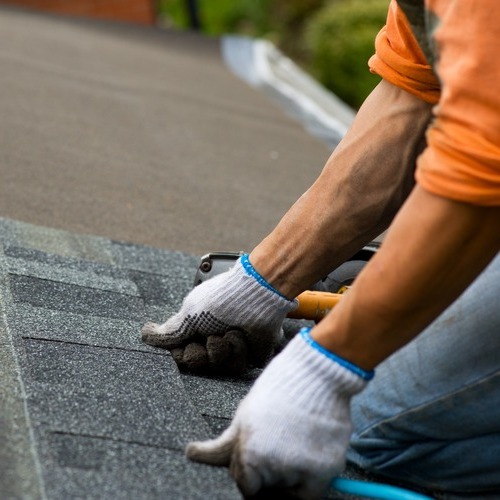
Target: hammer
313,304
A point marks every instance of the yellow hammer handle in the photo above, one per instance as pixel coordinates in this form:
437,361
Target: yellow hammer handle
314,305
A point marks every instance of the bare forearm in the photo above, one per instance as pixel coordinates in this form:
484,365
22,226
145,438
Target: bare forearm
362,186
433,251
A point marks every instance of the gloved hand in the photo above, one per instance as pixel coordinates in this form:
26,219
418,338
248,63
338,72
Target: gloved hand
226,324
292,429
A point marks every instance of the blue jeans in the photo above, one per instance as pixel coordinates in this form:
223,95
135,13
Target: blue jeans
431,415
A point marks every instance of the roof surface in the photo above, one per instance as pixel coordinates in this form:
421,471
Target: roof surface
142,134
126,152
89,407
88,410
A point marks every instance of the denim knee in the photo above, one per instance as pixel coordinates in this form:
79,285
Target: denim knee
409,448
431,415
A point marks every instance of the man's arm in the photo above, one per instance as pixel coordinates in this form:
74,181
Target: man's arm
361,188
433,251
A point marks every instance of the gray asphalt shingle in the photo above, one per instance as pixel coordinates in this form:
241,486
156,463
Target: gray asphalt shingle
87,467
108,414
110,393
89,411
76,299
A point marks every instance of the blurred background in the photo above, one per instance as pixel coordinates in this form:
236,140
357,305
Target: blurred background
330,39
124,118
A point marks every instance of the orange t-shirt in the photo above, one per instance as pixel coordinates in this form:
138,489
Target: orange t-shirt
462,159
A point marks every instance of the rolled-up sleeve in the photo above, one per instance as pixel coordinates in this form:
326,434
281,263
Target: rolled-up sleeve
462,157
400,60
462,160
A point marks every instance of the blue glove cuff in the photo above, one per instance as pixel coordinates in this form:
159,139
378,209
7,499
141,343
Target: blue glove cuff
250,270
305,333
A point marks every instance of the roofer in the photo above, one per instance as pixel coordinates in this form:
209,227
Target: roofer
431,416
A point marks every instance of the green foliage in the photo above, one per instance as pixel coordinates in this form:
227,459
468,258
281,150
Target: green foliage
340,40
252,17
332,39
220,16
287,22
172,13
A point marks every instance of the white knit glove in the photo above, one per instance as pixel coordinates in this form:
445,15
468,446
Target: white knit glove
292,429
226,324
